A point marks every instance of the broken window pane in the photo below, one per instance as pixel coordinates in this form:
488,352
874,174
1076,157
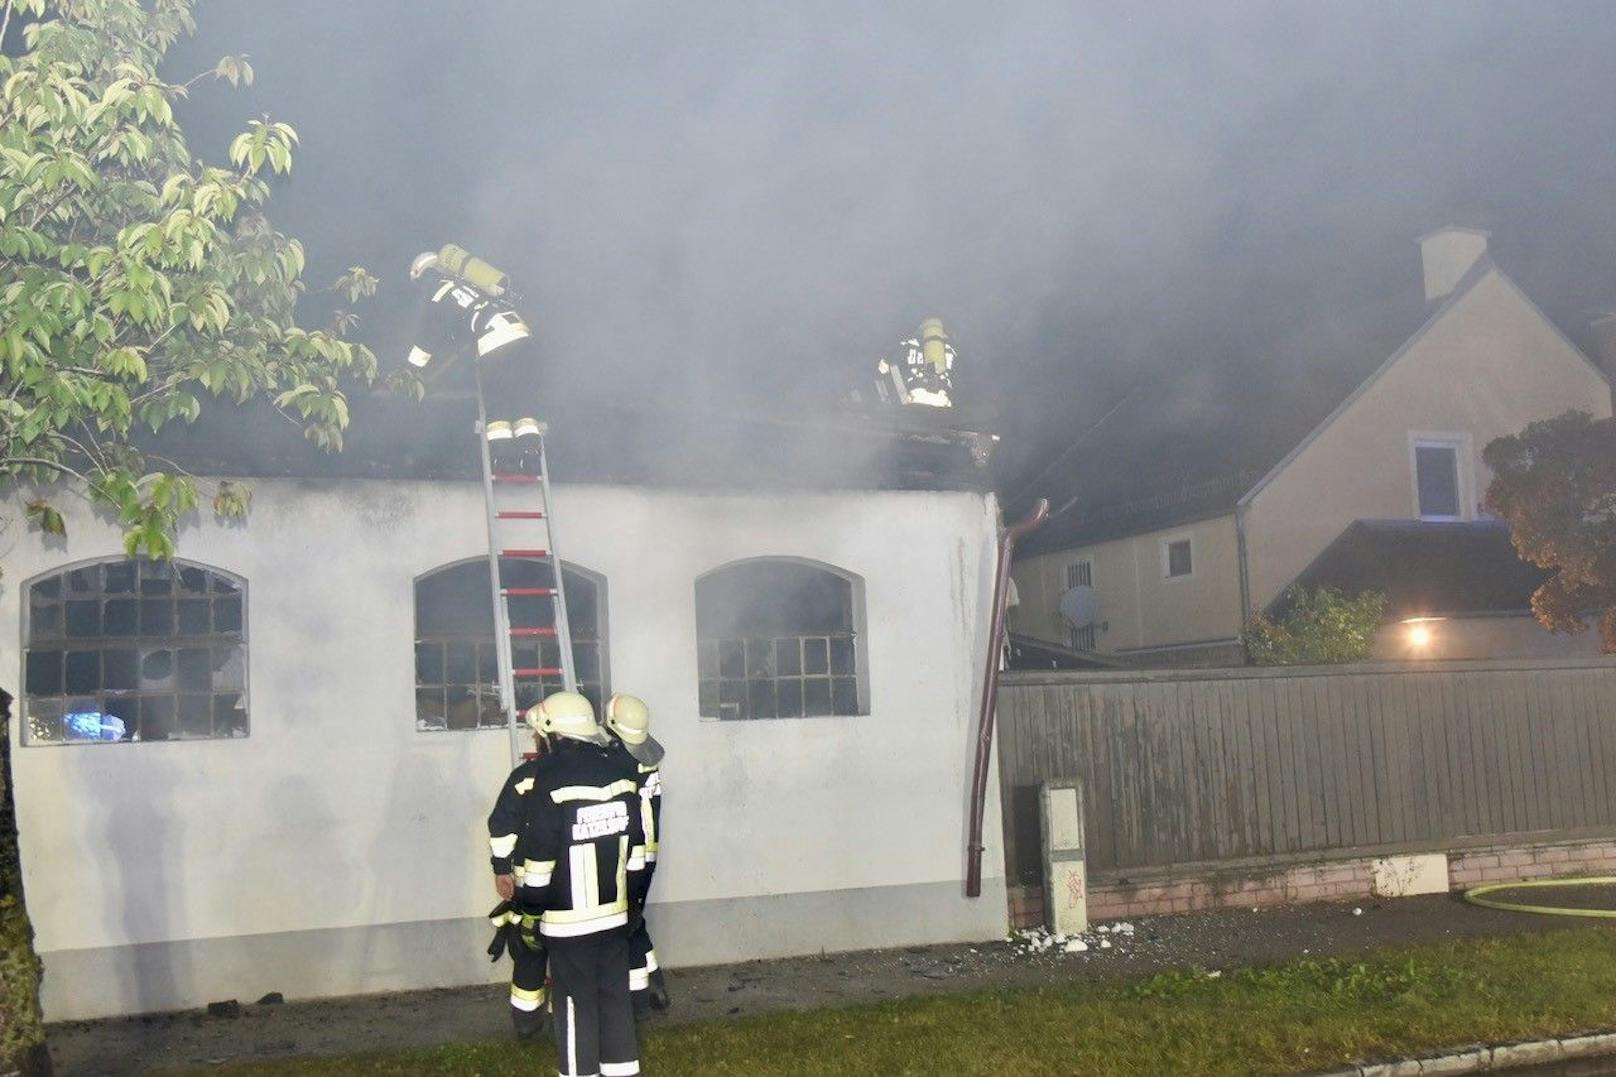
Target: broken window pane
114,690
785,628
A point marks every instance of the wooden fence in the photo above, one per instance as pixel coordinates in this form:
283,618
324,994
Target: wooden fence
1207,765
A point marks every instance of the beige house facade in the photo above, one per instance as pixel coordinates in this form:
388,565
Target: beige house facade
1405,445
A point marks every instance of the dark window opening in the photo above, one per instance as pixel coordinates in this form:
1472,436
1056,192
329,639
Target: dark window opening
105,665
456,664
1437,478
777,639
1180,558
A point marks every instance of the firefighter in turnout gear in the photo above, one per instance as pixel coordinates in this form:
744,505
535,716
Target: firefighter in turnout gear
575,867
924,374
528,960
629,720
466,302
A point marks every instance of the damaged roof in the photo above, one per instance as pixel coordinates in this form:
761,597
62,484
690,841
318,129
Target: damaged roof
614,442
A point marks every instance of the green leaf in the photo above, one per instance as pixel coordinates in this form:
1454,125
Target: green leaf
46,518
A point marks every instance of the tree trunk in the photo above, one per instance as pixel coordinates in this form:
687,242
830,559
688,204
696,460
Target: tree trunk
22,1032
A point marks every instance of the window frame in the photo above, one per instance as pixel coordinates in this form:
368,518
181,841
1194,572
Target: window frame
858,635
23,700
1460,445
603,634
1167,543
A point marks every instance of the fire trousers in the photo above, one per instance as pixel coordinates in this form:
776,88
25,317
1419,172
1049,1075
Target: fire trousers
643,971
594,1017
529,967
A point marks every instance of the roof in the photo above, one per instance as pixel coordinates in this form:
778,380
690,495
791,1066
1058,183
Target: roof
1193,448
1426,568
615,442
1187,446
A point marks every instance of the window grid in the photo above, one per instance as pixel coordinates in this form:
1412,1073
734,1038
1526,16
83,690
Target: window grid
778,677
160,646
457,671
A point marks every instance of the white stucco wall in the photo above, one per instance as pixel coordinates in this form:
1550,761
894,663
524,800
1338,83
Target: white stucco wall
335,813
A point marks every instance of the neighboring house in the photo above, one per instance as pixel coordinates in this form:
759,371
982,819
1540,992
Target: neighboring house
1183,516
310,740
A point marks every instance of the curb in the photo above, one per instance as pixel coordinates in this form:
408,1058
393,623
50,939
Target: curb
1484,1059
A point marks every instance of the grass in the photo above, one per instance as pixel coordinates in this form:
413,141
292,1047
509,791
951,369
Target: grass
1301,1016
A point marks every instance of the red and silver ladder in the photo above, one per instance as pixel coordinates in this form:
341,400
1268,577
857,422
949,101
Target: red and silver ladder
522,528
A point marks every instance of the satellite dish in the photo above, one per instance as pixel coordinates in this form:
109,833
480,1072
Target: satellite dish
1080,606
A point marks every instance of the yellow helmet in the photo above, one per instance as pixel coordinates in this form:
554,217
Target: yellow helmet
629,718
567,714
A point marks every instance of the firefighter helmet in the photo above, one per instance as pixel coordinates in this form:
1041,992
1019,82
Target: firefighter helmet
567,714
629,718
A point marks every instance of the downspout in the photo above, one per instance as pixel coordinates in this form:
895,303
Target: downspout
1008,537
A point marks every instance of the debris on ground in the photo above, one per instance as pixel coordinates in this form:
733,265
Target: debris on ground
1037,941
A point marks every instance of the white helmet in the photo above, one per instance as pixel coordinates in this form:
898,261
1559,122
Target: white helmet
567,714
630,719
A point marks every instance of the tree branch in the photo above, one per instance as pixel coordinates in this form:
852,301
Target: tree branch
5,22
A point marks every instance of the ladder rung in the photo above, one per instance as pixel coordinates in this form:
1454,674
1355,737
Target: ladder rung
521,552
515,477
530,632
514,592
513,514
536,671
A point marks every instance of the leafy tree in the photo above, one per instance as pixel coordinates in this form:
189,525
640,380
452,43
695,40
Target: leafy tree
135,282
1318,627
1555,482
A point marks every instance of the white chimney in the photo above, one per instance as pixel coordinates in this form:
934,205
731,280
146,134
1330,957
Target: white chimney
1448,254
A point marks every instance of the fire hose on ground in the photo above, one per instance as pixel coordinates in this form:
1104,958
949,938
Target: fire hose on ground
1479,896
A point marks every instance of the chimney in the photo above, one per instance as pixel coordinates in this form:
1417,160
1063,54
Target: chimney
1448,253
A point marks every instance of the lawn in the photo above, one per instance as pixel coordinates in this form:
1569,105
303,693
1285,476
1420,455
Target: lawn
1300,1016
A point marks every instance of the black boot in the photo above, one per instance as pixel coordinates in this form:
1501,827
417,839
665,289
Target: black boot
657,993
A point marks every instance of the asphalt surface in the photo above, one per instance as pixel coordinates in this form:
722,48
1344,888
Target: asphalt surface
1210,940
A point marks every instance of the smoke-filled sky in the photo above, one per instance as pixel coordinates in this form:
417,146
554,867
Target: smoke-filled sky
749,201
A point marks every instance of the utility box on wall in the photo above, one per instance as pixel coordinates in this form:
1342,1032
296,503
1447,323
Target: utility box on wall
1066,898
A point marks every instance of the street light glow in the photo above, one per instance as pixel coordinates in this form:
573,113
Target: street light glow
1419,636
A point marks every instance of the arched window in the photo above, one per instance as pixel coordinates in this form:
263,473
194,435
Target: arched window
456,668
780,638
135,650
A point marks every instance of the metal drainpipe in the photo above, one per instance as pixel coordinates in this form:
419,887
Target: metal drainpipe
1008,537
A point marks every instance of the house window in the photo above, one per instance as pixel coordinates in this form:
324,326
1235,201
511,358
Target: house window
456,665
1436,480
1178,557
1080,574
780,639
135,650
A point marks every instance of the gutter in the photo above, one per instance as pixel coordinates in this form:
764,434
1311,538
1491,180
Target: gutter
1008,537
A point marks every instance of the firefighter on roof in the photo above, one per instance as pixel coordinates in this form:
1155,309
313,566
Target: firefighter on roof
924,373
571,853
629,720
466,302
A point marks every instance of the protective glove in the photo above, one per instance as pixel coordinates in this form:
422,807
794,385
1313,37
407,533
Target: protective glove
506,921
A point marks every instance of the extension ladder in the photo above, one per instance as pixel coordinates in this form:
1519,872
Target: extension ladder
522,529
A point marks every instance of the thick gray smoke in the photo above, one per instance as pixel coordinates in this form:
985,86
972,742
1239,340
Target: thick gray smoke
744,202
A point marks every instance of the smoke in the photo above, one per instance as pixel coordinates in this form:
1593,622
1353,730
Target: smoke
742,204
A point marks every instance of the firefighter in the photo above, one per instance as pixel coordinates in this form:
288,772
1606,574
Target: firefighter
528,959
925,374
629,720
466,302
577,868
